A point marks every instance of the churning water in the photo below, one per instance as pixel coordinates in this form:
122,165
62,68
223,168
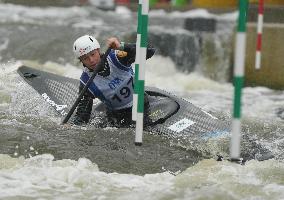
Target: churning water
40,159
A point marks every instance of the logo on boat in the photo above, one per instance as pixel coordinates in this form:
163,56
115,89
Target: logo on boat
53,104
181,125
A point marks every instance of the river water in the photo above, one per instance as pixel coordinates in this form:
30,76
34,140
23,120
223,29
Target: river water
40,159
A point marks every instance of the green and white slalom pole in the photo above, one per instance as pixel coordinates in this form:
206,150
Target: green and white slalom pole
239,63
140,62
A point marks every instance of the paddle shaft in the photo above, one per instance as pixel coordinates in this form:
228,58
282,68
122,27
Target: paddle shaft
69,114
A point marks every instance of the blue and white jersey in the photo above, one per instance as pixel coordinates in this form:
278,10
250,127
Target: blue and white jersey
116,89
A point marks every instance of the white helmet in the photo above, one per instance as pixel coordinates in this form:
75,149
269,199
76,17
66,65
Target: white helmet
84,45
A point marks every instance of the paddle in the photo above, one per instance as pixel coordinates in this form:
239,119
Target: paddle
96,70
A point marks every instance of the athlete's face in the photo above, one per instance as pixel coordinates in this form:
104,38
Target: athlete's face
91,59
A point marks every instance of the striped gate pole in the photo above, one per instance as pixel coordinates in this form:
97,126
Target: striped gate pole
259,34
239,63
140,62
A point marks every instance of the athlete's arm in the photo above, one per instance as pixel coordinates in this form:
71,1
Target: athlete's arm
84,108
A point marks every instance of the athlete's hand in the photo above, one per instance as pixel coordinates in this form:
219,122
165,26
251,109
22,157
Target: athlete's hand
113,43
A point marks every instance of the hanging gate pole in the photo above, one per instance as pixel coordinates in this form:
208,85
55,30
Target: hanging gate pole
259,34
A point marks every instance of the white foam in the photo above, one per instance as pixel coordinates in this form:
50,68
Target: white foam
161,72
19,13
41,176
194,13
123,11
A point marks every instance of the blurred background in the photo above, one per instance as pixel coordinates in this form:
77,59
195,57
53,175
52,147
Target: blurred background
207,32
